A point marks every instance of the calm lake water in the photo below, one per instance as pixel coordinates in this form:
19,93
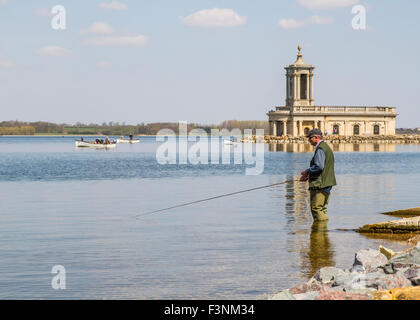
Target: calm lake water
77,208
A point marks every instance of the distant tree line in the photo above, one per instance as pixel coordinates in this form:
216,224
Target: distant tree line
121,129
116,128
407,131
21,130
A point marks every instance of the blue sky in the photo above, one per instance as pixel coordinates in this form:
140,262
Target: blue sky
202,61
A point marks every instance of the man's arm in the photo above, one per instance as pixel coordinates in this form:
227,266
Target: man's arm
319,162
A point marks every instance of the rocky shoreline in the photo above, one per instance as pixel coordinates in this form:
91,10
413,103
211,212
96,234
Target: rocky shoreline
375,275
397,139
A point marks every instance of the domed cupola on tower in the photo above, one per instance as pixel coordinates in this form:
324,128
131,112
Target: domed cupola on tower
299,83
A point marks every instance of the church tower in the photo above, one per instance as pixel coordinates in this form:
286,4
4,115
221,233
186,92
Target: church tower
299,115
299,83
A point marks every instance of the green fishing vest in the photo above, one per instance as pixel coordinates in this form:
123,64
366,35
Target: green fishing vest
326,178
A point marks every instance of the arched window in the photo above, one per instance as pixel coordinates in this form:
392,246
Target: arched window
306,131
336,129
356,129
375,129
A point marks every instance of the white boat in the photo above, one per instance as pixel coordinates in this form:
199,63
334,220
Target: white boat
127,141
92,144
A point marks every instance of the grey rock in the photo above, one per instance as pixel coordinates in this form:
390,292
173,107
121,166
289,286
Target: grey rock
410,257
344,280
369,260
388,268
311,285
413,274
283,295
352,282
357,268
381,281
328,274
310,295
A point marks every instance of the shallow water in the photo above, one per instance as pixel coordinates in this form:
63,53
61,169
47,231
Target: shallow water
77,208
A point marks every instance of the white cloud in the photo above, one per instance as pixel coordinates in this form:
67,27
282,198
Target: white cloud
296,23
327,4
43,12
137,40
320,20
3,1
6,63
53,51
291,23
114,5
99,28
214,18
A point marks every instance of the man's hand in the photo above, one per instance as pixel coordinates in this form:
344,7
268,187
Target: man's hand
304,176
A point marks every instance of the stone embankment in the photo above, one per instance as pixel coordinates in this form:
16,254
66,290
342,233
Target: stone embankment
375,275
400,138
405,225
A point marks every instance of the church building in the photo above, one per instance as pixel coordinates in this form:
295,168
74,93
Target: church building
300,114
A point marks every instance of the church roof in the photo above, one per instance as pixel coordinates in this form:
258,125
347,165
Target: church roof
299,61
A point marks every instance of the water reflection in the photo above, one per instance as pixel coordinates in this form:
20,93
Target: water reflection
318,252
321,253
338,147
297,200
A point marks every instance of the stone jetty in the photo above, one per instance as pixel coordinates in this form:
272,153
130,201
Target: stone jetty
393,139
406,213
375,275
404,225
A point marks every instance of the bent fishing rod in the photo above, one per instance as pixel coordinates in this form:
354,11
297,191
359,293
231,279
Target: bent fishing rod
212,198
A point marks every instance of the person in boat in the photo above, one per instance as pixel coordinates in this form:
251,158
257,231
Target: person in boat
107,141
81,139
320,175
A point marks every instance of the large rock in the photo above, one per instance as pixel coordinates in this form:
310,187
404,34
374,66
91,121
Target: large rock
352,282
328,274
413,274
381,281
283,295
410,293
336,294
412,256
311,285
368,261
310,295
405,225
410,271
371,272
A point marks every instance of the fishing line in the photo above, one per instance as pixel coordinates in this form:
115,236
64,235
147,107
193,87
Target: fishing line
212,198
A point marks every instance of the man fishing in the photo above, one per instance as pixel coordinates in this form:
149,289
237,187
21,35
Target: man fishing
320,175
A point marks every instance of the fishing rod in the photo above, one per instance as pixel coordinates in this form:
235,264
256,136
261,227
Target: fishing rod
212,198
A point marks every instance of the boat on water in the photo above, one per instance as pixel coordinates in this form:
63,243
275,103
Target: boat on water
128,141
94,144
131,140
